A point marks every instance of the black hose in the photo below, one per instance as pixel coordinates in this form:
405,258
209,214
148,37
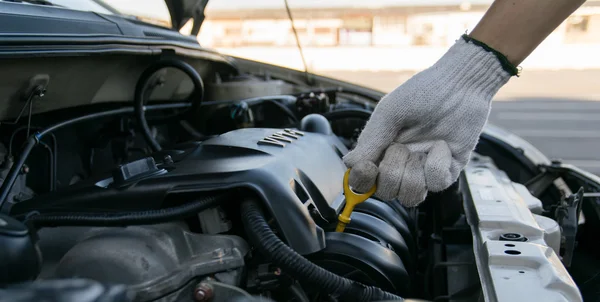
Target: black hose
283,108
33,139
124,218
191,130
348,113
142,94
273,99
301,268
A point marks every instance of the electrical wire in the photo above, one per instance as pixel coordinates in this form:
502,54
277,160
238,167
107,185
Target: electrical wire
36,92
54,159
52,166
298,44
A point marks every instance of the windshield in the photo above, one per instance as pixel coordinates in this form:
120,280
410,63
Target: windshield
150,11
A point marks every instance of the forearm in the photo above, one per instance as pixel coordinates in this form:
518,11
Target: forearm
516,27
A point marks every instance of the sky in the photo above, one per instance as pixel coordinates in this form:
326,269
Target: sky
158,9
236,4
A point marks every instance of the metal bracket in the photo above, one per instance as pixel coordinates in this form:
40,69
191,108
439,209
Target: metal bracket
35,88
567,216
539,183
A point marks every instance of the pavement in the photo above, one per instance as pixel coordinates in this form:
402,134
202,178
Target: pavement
565,129
556,111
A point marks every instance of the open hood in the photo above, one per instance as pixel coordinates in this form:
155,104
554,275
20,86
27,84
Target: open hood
182,11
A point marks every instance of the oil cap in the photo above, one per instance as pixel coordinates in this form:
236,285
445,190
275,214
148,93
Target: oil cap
513,237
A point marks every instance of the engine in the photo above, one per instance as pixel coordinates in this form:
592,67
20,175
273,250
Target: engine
294,175
238,200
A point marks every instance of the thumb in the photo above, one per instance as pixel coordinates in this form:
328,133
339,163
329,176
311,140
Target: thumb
363,176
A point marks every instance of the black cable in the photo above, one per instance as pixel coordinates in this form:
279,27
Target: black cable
302,269
54,160
348,113
10,179
52,167
283,108
36,92
124,218
255,100
144,85
191,130
12,138
273,99
112,112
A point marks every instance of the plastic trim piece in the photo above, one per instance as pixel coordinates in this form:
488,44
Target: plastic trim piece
511,268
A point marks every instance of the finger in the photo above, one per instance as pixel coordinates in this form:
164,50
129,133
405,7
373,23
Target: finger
413,189
363,176
377,135
437,167
391,170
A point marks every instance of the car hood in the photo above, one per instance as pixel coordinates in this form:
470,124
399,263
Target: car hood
182,11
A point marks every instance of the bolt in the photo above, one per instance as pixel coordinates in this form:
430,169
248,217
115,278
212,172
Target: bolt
277,272
168,160
203,292
25,169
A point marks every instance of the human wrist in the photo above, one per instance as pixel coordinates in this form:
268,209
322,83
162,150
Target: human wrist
504,61
469,68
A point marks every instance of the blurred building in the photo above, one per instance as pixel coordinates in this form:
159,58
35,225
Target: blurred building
427,25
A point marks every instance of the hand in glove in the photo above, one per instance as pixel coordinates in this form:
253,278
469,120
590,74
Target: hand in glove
421,135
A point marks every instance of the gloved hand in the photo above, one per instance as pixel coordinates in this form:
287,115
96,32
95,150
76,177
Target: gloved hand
421,135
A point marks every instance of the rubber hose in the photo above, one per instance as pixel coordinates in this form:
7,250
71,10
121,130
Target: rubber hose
144,84
301,268
348,113
123,219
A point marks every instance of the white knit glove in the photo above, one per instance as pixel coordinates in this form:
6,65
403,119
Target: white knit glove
421,135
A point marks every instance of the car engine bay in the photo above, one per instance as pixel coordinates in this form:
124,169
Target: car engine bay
234,196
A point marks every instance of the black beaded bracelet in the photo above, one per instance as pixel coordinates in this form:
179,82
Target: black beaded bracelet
506,64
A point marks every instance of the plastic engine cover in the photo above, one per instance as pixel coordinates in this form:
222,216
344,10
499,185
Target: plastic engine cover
293,172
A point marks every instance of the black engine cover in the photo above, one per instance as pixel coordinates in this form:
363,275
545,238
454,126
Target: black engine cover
291,178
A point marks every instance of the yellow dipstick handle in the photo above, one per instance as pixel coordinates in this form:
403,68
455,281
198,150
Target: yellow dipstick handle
352,199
